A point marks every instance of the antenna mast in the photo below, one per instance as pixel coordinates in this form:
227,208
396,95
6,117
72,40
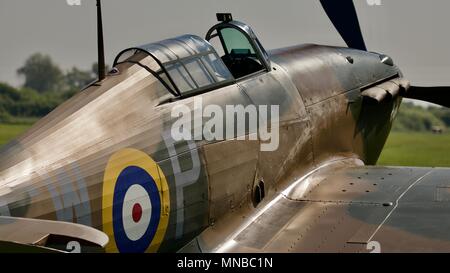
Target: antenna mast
101,47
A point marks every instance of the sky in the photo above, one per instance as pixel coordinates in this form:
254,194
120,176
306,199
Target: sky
415,33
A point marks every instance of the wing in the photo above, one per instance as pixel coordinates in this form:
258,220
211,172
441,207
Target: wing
353,209
33,235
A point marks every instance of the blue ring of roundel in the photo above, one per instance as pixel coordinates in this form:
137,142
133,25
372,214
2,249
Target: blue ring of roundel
130,176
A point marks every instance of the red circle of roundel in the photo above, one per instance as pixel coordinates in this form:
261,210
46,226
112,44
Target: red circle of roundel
137,212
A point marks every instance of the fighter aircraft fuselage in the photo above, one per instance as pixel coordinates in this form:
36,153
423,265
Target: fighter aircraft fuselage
106,158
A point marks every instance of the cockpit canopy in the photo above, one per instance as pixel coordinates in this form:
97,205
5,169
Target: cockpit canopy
189,64
186,63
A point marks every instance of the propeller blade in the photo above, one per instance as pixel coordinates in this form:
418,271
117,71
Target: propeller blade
342,14
435,94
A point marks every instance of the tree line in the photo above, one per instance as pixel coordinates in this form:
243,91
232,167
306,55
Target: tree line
416,118
45,86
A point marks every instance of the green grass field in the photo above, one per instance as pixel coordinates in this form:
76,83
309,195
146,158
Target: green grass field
417,149
402,149
8,132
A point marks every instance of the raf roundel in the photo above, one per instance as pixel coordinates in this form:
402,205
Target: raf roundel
135,203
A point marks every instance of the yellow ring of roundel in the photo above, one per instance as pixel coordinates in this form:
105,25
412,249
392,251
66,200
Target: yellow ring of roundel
116,164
